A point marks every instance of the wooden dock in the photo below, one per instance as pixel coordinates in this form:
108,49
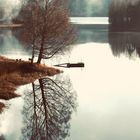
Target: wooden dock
71,65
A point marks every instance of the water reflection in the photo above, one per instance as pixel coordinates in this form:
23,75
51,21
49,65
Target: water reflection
84,34
92,35
9,45
48,109
108,95
127,43
110,109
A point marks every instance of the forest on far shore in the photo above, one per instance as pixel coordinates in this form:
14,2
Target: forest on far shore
124,16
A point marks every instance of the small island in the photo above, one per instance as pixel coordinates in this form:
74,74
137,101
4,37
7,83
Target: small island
39,31
14,73
43,29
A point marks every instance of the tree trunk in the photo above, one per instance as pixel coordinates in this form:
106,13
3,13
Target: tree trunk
40,55
35,112
45,106
33,54
41,49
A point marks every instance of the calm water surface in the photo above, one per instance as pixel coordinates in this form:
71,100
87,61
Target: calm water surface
108,91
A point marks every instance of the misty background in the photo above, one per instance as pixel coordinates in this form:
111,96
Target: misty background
9,9
78,8
89,8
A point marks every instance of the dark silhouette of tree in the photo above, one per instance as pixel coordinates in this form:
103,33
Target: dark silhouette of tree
46,27
2,137
125,43
48,110
124,16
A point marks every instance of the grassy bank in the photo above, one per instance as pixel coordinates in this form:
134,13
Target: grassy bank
1,107
14,73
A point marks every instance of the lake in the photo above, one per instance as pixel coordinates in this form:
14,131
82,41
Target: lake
98,102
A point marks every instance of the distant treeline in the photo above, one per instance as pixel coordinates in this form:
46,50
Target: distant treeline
124,16
85,8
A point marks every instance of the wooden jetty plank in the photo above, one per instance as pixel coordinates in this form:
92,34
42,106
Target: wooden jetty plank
71,65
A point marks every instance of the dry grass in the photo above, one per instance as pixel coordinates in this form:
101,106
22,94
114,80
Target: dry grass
1,107
13,74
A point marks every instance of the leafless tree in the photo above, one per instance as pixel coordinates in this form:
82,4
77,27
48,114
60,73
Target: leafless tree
48,110
46,27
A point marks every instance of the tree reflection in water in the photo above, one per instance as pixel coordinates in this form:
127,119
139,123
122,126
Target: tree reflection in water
48,109
127,43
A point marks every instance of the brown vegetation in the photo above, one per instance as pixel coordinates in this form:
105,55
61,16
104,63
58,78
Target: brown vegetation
1,107
14,73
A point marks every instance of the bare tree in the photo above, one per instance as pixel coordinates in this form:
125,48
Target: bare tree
46,27
48,110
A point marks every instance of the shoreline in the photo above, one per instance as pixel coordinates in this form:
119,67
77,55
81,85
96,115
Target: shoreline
11,25
16,73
